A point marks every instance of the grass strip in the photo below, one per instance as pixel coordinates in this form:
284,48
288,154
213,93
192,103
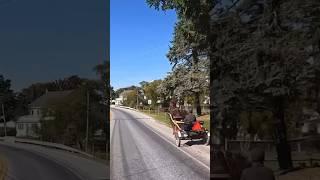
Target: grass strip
164,118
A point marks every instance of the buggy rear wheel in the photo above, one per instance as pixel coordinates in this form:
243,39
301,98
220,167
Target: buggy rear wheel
206,138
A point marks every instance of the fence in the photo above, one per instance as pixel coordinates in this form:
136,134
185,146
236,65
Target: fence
305,151
303,144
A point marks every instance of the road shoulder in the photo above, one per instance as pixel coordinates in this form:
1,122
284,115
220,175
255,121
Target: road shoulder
3,167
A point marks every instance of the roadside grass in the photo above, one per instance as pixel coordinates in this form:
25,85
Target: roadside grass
206,119
102,156
3,168
164,118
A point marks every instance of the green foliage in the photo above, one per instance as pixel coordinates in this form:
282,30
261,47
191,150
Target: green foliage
257,123
120,90
131,98
188,52
150,91
69,124
113,93
7,97
103,70
264,56
259,52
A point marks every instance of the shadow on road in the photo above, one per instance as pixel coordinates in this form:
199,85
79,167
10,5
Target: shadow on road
194,142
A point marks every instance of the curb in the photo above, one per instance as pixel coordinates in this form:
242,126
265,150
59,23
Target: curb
45,144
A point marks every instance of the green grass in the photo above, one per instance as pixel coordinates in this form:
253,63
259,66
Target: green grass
206,119
164,118
160,116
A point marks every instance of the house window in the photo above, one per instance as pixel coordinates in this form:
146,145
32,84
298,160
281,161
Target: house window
32,112
20,126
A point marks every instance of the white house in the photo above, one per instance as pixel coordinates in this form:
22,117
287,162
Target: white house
119,101
311,122
27,125
122,97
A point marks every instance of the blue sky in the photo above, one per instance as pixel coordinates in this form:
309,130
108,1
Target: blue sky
140,38
43,40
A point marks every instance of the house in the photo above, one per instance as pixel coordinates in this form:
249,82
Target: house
311,122
26,126
118,101
122,97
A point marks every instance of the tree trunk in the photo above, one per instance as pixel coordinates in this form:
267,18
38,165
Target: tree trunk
282,146
197,103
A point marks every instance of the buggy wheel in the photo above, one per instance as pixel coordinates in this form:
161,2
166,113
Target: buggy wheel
177,140
206,139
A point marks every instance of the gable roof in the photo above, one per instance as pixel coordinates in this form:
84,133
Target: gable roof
48,97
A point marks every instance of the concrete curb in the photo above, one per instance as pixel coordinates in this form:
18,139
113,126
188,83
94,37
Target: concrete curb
45,144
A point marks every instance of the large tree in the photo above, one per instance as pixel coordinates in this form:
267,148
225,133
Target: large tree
150,90
267,59
189,45
262,55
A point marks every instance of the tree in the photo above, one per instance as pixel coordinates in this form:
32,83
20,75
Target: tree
130,98
262,54
7,98
265,60
103,70
150,90
113,93
69,124
189,47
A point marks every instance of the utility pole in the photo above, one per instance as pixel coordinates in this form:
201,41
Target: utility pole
87,128
4,121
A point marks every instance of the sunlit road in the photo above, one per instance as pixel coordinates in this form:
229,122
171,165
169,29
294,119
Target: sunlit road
30,162
138,152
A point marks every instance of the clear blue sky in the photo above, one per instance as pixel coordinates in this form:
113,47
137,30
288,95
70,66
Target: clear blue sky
140,38
43,40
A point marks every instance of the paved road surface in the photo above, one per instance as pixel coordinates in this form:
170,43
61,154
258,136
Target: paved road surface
30,162
137,152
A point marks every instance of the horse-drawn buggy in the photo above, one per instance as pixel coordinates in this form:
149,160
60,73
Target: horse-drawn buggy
196,132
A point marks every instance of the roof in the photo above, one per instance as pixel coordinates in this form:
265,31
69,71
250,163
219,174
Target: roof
33,119
28,119
44,100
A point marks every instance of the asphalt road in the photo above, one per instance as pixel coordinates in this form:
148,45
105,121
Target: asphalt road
137,152
29,162
26,165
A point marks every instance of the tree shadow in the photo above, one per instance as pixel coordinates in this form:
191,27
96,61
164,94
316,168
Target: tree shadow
195,142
